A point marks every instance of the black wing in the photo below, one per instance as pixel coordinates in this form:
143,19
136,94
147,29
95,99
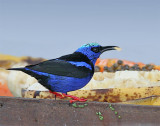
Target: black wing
61,68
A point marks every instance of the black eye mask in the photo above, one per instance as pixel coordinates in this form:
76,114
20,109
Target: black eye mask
95,49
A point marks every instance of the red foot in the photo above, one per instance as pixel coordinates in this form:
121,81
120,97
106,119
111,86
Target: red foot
63,95
57,94
74,98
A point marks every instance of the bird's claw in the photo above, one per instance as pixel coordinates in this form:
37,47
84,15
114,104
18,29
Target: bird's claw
57,94
80,100
74,98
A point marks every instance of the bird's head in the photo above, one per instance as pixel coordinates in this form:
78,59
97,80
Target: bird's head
94,50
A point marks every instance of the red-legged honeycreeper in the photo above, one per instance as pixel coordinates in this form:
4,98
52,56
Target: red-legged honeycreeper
69,72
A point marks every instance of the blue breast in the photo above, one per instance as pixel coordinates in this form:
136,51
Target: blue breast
65,84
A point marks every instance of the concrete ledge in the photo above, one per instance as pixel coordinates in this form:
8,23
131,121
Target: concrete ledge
47,112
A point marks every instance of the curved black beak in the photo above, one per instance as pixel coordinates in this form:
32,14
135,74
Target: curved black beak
107,48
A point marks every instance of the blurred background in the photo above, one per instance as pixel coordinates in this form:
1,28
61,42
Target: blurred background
51,28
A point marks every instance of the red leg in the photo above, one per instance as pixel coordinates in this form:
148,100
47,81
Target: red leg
57,94
74,98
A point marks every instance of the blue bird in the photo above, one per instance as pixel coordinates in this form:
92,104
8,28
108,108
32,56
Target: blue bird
69,72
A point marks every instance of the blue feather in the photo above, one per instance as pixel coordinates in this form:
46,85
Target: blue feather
81,64
62,83
86,50
65,84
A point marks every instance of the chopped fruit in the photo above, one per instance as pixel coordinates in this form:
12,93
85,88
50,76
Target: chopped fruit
97,69
113,65
120,62
4,91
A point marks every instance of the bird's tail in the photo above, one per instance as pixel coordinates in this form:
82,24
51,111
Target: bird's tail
19,69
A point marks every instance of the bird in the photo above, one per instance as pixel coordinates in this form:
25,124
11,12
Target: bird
69,72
